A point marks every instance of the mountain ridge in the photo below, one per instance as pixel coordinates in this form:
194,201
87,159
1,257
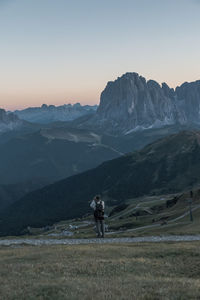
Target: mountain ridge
51,113
166,166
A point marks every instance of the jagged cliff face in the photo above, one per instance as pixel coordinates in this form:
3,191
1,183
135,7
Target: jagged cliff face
131,103
8,121
188,94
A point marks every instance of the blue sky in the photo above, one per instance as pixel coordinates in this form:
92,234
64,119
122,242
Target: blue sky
65,51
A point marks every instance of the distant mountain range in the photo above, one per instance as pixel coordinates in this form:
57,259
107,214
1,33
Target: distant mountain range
168,165
50,113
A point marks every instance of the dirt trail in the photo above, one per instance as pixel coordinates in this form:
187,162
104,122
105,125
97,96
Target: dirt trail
152,239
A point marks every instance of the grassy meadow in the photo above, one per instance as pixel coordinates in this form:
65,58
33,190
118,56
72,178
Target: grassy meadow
113,271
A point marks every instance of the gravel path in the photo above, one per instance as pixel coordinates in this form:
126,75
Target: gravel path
153,239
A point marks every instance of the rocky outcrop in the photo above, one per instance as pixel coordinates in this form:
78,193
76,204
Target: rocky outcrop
188,98
8,121
131,103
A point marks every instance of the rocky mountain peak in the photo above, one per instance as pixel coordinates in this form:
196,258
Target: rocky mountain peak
132,103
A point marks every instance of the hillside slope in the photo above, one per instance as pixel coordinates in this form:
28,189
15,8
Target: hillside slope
13,192
166,166
51,154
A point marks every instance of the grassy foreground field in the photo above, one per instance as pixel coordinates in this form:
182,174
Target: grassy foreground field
120,271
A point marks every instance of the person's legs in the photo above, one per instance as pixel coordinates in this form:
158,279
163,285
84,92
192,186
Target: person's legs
98,227
102,228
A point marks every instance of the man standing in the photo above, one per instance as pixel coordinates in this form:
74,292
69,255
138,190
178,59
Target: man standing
98,206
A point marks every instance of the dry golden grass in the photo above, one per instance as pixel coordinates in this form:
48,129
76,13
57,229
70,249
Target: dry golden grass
120,271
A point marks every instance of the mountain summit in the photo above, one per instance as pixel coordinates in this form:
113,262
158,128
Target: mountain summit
132,103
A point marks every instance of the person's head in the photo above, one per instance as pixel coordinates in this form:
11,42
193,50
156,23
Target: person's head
97,198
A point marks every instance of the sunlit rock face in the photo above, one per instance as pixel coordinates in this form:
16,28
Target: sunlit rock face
132,103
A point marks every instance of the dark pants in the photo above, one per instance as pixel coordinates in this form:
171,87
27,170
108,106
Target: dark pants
100,228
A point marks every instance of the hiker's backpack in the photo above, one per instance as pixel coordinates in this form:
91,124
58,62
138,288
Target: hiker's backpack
99,212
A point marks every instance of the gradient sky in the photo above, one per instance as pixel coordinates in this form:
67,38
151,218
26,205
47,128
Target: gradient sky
65,51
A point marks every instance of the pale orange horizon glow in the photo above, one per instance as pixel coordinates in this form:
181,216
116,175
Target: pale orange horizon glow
12,105
20,99
58,52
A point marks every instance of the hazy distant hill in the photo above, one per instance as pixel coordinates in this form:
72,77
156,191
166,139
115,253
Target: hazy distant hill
9,121
51,154
168,165
11,126
12,192
51,113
